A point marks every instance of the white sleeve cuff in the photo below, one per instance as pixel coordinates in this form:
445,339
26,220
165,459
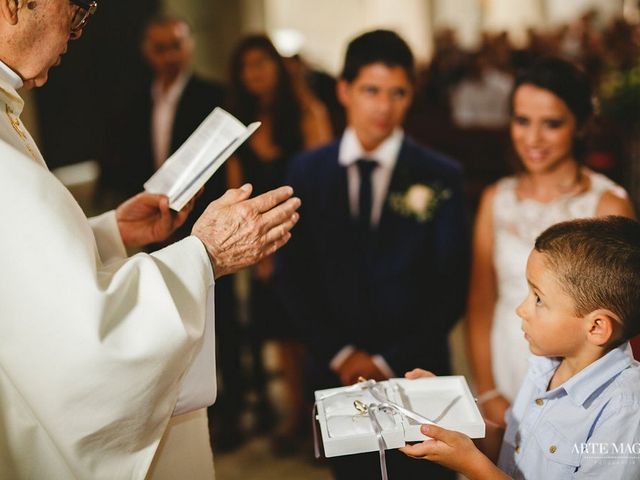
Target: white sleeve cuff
340,357
199,389
107,235
383,366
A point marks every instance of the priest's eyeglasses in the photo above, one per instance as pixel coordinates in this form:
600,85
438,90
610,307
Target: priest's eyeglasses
84,9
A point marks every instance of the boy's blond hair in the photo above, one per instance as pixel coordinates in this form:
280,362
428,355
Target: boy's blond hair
597,262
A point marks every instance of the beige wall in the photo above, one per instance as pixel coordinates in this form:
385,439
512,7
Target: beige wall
464,16
513,16
567,10
328,25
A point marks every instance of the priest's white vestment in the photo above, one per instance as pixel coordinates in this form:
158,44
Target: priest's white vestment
94,346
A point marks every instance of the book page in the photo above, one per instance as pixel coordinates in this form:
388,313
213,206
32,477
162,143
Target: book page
188,169
199,178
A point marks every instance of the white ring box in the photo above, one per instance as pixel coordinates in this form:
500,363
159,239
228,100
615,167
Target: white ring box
447,400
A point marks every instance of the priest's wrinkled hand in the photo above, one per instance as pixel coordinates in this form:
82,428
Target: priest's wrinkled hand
146,218
359,364
239,231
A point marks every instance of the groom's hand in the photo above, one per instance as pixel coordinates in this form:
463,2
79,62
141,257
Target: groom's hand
359,364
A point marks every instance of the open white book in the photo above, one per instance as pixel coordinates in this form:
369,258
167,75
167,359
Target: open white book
188,169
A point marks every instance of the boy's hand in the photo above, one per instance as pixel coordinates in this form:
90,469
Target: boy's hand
453,450
449,448
418,373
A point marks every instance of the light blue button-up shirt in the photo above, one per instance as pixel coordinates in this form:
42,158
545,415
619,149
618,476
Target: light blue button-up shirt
589,427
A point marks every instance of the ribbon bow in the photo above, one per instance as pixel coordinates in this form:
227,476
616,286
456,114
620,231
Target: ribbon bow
372,410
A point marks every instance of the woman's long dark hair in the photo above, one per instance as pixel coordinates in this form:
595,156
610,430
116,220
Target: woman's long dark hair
571,85
286,110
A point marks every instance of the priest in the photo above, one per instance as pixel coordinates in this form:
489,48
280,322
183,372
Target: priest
98,350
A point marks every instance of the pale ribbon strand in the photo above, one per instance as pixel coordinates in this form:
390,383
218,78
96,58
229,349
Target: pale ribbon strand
382,446
372,408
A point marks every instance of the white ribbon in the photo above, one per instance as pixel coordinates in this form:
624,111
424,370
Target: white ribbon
382,446
356,387
373,409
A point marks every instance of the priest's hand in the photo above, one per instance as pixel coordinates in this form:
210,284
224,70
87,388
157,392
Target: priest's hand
239,231
146,218
359,364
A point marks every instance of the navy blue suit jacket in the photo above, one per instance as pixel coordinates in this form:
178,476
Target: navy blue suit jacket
397,296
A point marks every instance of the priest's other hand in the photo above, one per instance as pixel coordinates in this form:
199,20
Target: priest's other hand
239,231
146,218
359,364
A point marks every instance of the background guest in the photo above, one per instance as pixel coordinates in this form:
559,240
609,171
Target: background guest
481,99
262,90
317,84
162,110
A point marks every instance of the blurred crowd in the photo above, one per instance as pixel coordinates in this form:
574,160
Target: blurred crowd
598,48
465,93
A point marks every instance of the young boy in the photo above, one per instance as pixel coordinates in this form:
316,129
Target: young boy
577,414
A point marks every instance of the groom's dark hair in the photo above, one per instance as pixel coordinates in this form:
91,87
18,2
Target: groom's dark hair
377,46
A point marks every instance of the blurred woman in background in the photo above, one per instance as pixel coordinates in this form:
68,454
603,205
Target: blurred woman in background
262,90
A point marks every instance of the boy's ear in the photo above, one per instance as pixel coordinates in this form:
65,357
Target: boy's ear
604,327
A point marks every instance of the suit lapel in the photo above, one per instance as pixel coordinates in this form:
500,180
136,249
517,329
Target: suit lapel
336,204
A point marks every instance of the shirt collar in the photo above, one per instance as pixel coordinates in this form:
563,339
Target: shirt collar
587,382
174,91
10,77
542,369
386,154
596,376
9,83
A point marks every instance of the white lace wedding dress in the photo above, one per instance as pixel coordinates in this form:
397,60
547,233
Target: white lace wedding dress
516,225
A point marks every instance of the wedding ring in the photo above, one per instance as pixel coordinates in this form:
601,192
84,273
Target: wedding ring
361,407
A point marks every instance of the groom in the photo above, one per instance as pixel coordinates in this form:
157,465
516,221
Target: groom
376,273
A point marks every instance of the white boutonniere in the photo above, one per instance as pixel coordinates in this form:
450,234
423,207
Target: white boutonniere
419,201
